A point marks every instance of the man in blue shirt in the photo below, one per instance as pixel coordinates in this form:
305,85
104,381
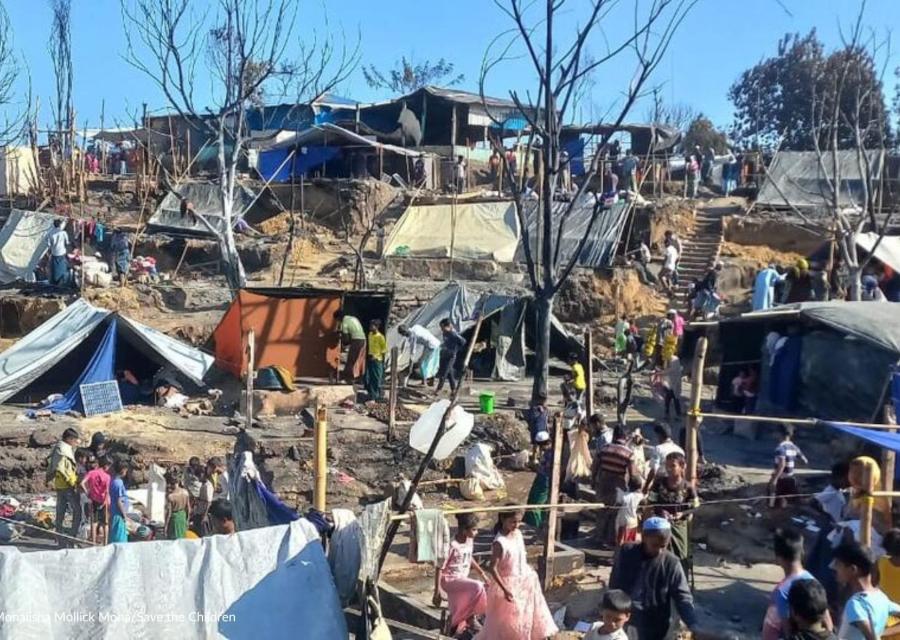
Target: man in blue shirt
118,503
866,612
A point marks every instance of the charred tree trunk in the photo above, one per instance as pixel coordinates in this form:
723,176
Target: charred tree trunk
544,312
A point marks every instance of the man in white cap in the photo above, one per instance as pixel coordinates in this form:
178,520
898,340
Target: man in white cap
655,580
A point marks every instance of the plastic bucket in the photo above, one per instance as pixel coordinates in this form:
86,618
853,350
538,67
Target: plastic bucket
486,400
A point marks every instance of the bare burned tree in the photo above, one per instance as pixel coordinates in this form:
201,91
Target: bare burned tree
848,99
241,49
559,65
62,140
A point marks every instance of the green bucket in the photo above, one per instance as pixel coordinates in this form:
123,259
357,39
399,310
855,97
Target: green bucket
486,400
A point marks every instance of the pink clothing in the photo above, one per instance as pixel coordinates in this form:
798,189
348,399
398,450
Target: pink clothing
679,325
527,617
465,597
97,483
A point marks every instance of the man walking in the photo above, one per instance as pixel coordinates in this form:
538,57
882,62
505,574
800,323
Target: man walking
452,344
62,475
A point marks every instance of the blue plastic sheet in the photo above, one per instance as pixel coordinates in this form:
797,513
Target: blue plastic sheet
101,368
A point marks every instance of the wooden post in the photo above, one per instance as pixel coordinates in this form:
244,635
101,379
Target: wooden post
320,457
550,542
392,399
453,136
251,358
865,520
888,462
589,372
693,419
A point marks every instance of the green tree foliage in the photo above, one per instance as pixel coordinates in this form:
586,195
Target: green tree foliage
407,76
703,133
779,96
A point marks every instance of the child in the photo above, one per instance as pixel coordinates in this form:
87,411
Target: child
616,612
177,508
516,607
809,612
866,612
575,382
118,501
889,570
374,380
466,598
783,482
84,462
95,486
537,418
627,520
540,487
200,506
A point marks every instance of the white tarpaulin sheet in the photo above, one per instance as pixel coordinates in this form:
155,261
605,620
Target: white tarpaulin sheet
888,250
23,242
33,355
475,230
265,583
30,357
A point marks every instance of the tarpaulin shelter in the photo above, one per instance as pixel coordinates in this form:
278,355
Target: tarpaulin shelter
508,329
83,344
293,327
798,179
263,583
207,203
603,237
828,359
466,230
23,243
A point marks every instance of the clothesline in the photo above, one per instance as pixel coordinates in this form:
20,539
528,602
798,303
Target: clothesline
809,422
573,507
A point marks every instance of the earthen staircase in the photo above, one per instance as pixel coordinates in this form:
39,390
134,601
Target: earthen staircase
699,251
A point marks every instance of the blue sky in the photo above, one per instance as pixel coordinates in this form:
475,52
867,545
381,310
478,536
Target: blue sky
717,41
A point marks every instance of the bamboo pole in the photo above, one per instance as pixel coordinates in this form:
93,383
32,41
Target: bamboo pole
589,372
694,418
550,541
888,461
320,456
392,399
805,422
251,357
865,521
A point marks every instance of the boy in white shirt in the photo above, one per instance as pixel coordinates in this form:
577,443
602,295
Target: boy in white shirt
616,612
627,521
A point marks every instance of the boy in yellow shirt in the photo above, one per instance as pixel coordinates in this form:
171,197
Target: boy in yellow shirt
575,383
375,362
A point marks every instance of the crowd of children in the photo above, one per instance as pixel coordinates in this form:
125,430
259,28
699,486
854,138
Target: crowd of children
90,490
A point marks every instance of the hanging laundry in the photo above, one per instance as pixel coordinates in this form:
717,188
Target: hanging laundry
99,232
374,521
431,532
345,553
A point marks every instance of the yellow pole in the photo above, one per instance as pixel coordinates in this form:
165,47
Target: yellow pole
320,457
694,418
865,521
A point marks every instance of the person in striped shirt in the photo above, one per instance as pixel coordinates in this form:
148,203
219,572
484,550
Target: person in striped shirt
613,467
783,483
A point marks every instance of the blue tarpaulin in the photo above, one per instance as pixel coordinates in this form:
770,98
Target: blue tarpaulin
310,157
101,368
884,439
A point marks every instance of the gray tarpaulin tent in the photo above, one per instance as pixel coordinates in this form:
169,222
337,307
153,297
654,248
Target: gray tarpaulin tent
826,359
205,198
506,329
68,339
600,247
797,179
23,242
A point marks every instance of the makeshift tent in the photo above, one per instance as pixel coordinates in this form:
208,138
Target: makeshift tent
798,179
23,243
507,329
264,583
603,237
887,251
293,328
828,359
206,198
467,230
82,344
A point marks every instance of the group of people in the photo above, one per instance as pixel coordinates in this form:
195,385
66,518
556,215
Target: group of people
90,489
62,252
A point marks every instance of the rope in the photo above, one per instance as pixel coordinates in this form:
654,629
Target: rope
809,422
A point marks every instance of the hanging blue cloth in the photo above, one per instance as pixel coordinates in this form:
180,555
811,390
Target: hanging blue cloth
278,512
784,374
895,390
101,368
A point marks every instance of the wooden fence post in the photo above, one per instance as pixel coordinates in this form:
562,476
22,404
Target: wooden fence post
251,364
693,418
320,457
392,400
589,372
865,521
550,542
888,461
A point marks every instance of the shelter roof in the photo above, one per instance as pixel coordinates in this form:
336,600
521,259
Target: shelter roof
329,134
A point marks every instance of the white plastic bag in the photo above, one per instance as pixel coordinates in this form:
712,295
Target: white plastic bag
480,465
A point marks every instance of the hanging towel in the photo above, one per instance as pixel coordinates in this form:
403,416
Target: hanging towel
374,521
99,232
432,535
345,553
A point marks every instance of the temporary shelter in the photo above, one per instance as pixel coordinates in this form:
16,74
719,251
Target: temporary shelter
18,171
466,230
831,360
23,243
238,586
206,200
798,179
84,344
293,328
508,329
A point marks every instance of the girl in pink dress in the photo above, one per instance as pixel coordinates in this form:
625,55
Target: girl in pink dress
466,597
516,608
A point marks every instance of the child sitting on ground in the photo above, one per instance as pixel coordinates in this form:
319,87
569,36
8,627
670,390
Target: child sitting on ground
627,521
616,612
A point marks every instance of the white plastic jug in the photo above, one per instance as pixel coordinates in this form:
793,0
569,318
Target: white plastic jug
459,425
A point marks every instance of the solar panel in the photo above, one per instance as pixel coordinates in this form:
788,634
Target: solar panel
101,397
